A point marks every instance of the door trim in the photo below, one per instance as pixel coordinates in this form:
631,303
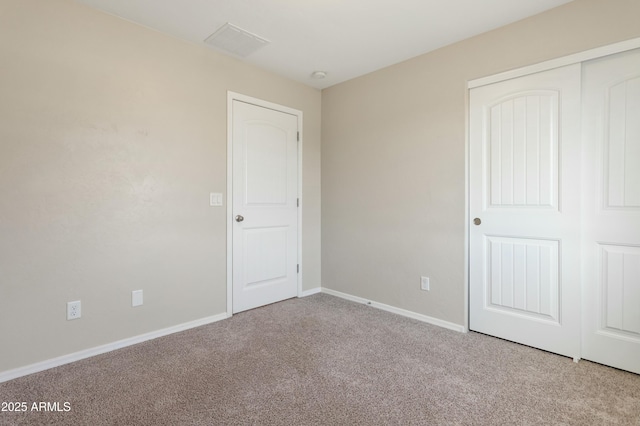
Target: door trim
233,96
575,58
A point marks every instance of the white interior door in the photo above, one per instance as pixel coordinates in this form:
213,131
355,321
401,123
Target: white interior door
611,209
525,199
265,216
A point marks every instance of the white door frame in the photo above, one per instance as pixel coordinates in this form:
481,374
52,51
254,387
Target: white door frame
587,55
232,96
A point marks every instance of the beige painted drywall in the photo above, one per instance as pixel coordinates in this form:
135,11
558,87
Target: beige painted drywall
393,157
111,138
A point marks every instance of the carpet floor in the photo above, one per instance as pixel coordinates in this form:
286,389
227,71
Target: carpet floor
322,360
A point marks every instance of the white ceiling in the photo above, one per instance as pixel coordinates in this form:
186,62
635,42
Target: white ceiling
345,38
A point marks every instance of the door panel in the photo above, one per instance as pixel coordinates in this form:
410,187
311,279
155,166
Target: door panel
266,164
611,210
522,142
524,189
265,182
522,277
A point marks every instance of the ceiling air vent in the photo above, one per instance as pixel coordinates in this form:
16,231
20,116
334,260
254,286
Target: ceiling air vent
235,40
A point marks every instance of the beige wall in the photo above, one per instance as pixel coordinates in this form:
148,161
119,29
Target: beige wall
393,157
111,138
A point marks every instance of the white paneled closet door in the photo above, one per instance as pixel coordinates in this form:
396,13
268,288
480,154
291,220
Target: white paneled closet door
611,210
525,210
554,169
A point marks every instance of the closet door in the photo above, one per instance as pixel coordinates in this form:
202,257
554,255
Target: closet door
611,211
524,239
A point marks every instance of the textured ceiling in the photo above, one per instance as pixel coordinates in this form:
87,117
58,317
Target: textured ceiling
344,38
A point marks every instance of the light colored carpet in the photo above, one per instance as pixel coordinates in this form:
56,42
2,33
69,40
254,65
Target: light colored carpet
325,361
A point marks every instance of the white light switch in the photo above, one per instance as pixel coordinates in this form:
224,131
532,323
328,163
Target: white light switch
136,298
215,199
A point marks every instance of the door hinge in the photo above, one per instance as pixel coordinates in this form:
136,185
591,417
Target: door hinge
298,136
298,268
298,202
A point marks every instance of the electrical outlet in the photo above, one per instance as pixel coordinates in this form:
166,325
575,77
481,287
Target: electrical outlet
136,298
424,283
74,310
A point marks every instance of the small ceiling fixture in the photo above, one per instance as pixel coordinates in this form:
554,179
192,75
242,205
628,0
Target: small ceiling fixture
235,40
318,75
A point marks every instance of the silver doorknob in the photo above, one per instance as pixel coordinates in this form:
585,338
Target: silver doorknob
239,218
477,221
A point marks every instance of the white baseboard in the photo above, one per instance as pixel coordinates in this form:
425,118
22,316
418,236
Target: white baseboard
87,353
424,318
311,292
